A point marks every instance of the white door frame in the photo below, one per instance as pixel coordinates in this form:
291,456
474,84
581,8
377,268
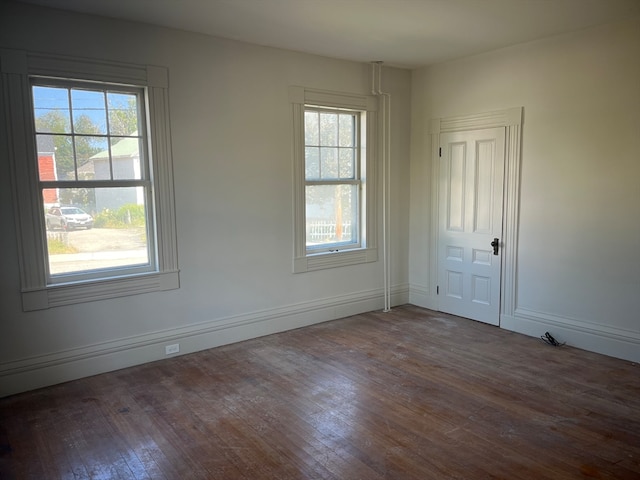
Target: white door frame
511,120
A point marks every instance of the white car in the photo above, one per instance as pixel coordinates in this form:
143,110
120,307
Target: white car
68,218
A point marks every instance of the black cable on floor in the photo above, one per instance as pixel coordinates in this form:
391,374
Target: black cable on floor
548,338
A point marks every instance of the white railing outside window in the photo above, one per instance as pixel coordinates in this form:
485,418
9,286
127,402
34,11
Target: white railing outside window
322,232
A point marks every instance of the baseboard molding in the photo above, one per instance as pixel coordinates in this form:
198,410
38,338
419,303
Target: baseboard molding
40,371
614,342
45,370
421,296
618,343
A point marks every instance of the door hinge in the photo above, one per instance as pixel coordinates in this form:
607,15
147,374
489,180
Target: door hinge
437,289
440,152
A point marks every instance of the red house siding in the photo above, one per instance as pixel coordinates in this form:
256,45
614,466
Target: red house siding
46,167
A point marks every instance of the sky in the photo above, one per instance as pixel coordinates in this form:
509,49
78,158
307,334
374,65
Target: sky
77,102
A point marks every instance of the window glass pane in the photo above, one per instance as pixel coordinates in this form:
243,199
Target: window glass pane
329,163
347,130
329,129
51,110
97,167
312,163
311,128
126,154
331,212
97,228
89,112
90,152
55,157
49,196
347,162
123,114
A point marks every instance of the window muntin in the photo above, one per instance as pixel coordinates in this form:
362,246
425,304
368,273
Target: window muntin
332,168
91,148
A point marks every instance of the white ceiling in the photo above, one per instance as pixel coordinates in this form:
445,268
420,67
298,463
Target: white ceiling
406,33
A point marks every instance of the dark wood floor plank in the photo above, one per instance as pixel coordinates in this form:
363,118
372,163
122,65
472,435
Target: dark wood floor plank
357,419
407,394
394,414
313,417
478,390
128,421
207,415
282,419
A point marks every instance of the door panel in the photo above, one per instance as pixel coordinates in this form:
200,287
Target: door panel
470,217
456,181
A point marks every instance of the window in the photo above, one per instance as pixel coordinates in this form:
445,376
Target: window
93,172
334,170
92,178
332,179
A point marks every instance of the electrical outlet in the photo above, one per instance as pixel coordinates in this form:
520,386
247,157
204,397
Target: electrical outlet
169,349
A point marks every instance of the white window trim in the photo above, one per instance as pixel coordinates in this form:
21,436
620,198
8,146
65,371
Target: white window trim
368,252
15,68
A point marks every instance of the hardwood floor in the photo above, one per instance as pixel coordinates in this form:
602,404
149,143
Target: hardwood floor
410,394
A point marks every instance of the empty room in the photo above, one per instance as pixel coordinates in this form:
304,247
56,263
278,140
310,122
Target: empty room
320,239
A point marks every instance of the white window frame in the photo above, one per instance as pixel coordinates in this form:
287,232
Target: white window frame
304,259
16,69
145,180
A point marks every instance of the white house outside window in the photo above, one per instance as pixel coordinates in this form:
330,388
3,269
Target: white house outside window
334,171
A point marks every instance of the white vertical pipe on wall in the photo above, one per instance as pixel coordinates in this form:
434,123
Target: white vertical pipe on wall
376,89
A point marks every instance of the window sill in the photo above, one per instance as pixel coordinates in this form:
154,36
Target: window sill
57,295
321,261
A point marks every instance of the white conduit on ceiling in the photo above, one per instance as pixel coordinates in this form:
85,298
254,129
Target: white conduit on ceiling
376,89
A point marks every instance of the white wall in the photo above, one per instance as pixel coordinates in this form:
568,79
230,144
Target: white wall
578,263
231,133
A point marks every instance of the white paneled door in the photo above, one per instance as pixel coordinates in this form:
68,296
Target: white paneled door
470,223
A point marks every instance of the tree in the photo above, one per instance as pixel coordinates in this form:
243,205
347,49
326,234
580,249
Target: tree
56,123
123,114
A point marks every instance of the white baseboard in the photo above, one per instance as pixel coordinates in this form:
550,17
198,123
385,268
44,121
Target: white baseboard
614,342
40,371
609,341
420,296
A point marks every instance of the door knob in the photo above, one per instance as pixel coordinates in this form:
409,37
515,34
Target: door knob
496,245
